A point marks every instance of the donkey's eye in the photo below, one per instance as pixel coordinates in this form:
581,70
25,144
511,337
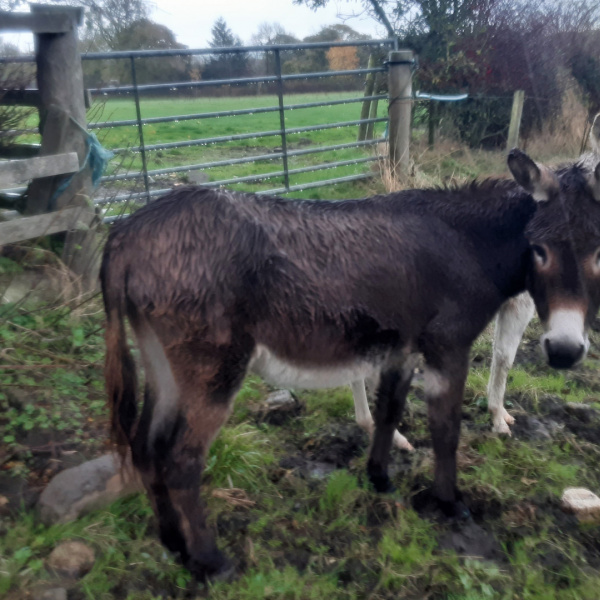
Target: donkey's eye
540,255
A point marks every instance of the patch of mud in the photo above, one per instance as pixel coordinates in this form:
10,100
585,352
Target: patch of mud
468,536
306,468
583,423
469,539
338,445
16,493
551,416
531,428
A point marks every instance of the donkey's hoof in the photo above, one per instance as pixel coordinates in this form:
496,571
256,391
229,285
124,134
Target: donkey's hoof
456,511
502,423
219,568
427,504
401,442
382,484
509,419
501,427
225,573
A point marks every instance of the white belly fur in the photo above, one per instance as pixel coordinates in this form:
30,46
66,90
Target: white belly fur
284,374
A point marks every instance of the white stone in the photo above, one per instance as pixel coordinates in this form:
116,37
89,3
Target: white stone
583,503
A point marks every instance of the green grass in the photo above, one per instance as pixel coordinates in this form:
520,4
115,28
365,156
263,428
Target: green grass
298,536
110,110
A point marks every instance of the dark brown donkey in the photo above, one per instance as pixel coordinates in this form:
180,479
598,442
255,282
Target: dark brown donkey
318,294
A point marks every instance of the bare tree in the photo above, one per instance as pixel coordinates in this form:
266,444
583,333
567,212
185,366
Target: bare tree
103,18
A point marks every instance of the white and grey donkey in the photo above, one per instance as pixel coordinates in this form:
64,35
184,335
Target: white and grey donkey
511,321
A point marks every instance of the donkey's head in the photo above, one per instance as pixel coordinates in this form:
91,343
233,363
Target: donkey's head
564,238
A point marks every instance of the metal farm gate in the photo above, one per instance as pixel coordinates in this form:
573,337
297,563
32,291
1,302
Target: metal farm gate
134,182
278,80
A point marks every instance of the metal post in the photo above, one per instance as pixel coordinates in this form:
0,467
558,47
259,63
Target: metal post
138,112
400,104
286,176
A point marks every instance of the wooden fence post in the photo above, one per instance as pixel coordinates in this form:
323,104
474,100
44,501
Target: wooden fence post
364,111
62,118
515,120
400,104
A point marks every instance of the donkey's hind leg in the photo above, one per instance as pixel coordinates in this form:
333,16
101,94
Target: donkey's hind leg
390,399
364,419
445,376
512,319
182,414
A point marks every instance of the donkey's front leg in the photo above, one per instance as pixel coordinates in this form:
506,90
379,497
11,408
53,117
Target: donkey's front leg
389,404
511,322
444,389
364,418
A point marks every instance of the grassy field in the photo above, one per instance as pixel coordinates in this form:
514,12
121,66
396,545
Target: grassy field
125,137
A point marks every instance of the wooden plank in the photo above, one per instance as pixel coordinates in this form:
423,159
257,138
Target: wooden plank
18,171
37,226
36,23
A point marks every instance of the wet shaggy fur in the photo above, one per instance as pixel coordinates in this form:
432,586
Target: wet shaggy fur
209,278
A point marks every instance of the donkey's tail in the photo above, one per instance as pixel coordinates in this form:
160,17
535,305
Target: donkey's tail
119,369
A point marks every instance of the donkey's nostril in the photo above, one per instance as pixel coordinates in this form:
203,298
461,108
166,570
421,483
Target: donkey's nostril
563,355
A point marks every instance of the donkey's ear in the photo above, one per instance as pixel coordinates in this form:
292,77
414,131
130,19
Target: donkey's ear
595,135
535,179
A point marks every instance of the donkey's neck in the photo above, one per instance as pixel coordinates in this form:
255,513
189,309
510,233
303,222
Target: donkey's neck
496,227
493,215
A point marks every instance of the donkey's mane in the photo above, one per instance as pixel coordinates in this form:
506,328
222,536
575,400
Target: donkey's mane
488,204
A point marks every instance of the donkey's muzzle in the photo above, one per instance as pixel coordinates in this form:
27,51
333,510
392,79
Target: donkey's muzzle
563,354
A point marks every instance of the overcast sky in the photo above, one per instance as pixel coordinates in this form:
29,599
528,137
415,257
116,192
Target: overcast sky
191,20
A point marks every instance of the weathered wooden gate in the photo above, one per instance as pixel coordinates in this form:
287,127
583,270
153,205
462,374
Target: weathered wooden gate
59,195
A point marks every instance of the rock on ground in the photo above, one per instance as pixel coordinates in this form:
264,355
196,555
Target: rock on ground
72,559
278,407
583,503
51,594
90,486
